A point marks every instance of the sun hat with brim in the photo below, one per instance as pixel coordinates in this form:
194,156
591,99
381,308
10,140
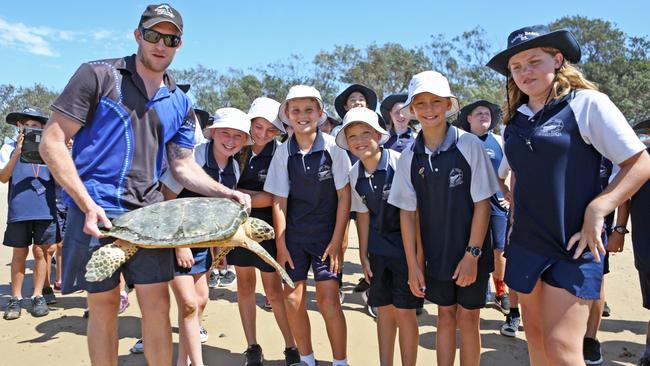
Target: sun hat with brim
495,114
32,113
429,82
342,99
387,105
203,118
363,115
299,92
642,126
266,108
532,37
231,118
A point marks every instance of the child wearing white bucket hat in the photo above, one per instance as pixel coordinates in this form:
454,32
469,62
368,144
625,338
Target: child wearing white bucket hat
254,162
381,249
227,134
311,207
446,176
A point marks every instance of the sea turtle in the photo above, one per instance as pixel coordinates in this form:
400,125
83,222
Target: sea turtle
182,223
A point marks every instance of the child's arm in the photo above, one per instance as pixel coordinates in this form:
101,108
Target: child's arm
363,227
465,273
408,227
280,226
8,169
418,241
259,199
334,250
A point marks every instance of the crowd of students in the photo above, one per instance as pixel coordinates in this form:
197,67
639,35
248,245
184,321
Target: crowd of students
439,201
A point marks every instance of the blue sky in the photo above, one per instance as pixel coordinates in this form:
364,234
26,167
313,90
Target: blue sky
45,41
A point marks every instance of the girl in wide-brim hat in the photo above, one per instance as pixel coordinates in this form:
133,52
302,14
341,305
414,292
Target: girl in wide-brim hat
557,128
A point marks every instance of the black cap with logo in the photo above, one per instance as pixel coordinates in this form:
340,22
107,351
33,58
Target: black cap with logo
158,13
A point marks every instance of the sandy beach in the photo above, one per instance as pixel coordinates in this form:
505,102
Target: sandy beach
60,337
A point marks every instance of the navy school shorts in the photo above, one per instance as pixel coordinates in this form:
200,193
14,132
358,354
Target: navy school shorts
242,257
147,266
389,283
202,262
448,293
497,228
581,279
644,280
305,255
22,234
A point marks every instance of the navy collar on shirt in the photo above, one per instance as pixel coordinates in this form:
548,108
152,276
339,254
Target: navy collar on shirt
407,134
268,149
211,162
318,145
382,165
450,140
128,64
526,111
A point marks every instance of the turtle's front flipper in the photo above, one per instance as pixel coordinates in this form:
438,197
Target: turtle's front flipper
266,257
107,259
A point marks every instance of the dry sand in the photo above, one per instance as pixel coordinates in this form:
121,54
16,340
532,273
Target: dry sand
60,337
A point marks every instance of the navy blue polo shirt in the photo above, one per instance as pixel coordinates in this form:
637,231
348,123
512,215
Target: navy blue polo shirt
443,186
400,142
25,203
120,148
254,174
494,149
639,214
370,194
309,180
561,175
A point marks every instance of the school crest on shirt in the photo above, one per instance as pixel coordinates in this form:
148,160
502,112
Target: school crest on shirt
455,178
551,128
324,172
490,153
261,175
385,191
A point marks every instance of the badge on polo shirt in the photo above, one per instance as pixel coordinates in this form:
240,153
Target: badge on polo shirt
455,178
324,172
421,172
38,186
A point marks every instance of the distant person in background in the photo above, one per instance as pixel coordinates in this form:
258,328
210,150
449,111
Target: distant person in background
401,131
329,124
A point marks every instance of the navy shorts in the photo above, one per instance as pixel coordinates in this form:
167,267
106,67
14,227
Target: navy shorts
202,262
644,280
61,218
448,293
389,283
306,255
242,257
524,267
498,227
147,266
22,234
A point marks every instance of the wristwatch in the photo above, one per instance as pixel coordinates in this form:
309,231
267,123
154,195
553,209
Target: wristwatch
621,229
474,251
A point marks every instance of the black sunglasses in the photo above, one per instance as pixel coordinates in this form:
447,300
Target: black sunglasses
151,36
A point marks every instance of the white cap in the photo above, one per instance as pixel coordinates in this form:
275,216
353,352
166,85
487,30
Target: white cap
363,115
301,91
266,108
429,82
232,118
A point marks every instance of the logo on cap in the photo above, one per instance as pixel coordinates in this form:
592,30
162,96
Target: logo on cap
524,36
165,10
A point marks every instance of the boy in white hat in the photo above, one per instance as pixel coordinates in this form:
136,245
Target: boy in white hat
380,241
447,177
311,207
228,133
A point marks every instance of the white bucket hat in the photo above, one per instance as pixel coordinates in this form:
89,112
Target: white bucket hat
232,118
266,108
429,82
301,91
363,115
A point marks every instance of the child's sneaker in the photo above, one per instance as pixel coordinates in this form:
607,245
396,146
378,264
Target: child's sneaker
49,296
124,301
606,310
341,296
227,278
39,306
503,303
13,309
203,334
138,347
291,356
254,356
267,304
591,351
644,361
361,286
213,279
511,326
372,311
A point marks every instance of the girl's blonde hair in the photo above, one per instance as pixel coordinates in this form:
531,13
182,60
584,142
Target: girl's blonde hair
567,78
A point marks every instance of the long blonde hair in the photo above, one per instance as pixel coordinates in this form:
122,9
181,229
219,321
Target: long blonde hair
567,78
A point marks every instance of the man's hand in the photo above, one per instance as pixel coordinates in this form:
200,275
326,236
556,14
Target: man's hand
242,198
95,214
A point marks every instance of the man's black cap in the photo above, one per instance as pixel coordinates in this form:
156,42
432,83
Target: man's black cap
158,13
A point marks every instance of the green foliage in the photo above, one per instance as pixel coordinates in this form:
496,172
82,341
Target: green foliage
14,99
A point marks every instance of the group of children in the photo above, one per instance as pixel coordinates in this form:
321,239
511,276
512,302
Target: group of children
432,209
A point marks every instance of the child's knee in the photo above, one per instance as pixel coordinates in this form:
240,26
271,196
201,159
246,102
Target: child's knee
329,304
188,309
468,319
446,317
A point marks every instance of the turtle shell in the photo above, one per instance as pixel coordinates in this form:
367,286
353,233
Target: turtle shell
181,221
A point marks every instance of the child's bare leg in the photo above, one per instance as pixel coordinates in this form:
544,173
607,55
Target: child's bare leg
40,267
327,296
18,271
409,335
531,307
246,301
470,340
386,333
446,335
296,306
188,323
273,290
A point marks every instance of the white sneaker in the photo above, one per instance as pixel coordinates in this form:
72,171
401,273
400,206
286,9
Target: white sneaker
227,278
203,334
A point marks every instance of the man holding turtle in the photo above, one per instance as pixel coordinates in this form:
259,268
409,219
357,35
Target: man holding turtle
121,113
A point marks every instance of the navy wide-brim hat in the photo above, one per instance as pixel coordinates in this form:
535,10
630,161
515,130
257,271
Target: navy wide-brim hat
536,36
495,114
203,117
387,105
341,99
32,113
642,126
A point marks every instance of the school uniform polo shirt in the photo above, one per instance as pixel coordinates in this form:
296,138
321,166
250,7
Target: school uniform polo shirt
558,178
309,181
254,175
228,176
120,148
493,145
370,194
639,214
27,199
401,141
443,186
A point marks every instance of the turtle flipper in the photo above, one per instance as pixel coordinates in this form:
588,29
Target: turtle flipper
107,259
266,257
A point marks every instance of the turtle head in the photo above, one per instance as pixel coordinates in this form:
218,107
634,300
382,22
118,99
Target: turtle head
258,230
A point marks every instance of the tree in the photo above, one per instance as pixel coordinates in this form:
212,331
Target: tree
14,99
